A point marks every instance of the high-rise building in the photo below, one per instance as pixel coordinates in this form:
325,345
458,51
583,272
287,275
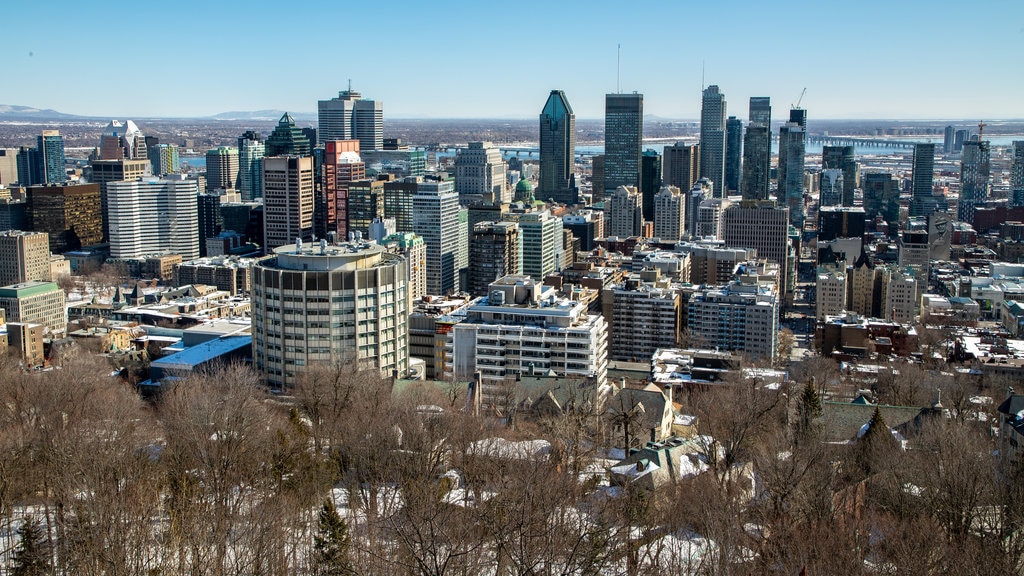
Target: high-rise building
287,200
959,137
106,171
411,247
830,187
287,140
708,220
681,165
558,150
51,168
840,222
712,138
480,172
596,178
165,159
669,214
351,117
842,158
650,181
948,135
436,219
327,287
733,154
398,201
542,237
250,165
1017,174
760,110
741,317
882,197
495,249
153,216
221,168
365,204
24,257
975,173
8,166
923,202
625,213
623,135
41,303
757,155
209,221
764,227
341,166
792,142
123,141
642,317
69,214
830,294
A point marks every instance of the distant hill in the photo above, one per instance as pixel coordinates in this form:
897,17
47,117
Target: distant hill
263,115
11,112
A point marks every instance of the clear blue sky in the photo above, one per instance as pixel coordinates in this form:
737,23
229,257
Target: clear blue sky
482,58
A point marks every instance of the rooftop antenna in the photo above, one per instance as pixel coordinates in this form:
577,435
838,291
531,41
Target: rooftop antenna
702,76
349,84
618,70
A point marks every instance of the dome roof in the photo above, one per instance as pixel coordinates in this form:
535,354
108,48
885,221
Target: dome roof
524,186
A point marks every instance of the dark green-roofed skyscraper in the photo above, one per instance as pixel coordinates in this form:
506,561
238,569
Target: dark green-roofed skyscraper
287,140
557,150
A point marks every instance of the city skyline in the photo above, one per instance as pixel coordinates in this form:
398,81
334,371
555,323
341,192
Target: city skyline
911,63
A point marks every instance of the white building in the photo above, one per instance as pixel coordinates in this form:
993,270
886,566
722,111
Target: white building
524,326
542,239
351,117
153,216
480,170
624,212
708,223
643,317
831,294
901,296
436,219
669,214
741,317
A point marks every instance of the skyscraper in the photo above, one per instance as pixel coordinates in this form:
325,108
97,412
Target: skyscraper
436,219
121,141
71,215
792,141
250,165
221,168
831,187
542,234
341,166
757,150
51,169
1017,174
24,257
842,158
495,249
923,202
882,197
165,159
975,172
287,200
153,216
947,139
681,165
733,153
557,150
106,171
351,117
712,138
480,171
669,214
763,226
625,214
650,181
287,140
623,134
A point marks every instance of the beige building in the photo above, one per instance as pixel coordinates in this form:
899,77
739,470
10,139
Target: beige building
24,257
763,226
287,200
104,171
27,340
901,300
227,273
831,294
644,314
669,214
37,303
624,213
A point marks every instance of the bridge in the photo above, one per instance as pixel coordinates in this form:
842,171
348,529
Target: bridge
864,142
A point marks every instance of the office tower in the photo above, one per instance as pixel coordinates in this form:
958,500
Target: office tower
974,178
959,137
341,166
542,237
650,181
24,257
436,219
681,165
596,178
365,204
287,140
882,197
153,216
326,288
669,214
250,165
69,214
287,200
495,249
792,140
558,150
840,222
398,201
757,150
165,159
462,254
123,141
106,171
733,154
1017,174
712,138
625,213
480,172
642,316
51,169
623,135
351,117
399,163
923,202
830,187
708,221
41,303
762,226
842,158
502,336
948,136
8,166
209,221
221,168
752,313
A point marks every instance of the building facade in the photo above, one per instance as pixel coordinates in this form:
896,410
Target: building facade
495,249
480,171
351,117
623,135
436,219
24,257
669,214
287,200
71,215
41,303
624,213
153,216
733,154
558,150
739,317
680,165
712,138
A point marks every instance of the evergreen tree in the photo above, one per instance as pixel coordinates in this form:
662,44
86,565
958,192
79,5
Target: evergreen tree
876,448
808,410
32,555
331,544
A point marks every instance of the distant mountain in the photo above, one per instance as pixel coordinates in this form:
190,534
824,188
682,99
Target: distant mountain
263,116
11,112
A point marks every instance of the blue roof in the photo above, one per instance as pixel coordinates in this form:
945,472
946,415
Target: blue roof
201,353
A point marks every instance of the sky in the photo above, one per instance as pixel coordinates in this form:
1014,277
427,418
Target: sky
893,59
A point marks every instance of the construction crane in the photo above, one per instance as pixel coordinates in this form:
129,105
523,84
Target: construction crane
981,129
800,99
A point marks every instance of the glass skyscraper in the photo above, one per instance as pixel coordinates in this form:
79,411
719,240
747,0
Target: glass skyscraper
757,150
51,168
557,150
623,133
712,139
